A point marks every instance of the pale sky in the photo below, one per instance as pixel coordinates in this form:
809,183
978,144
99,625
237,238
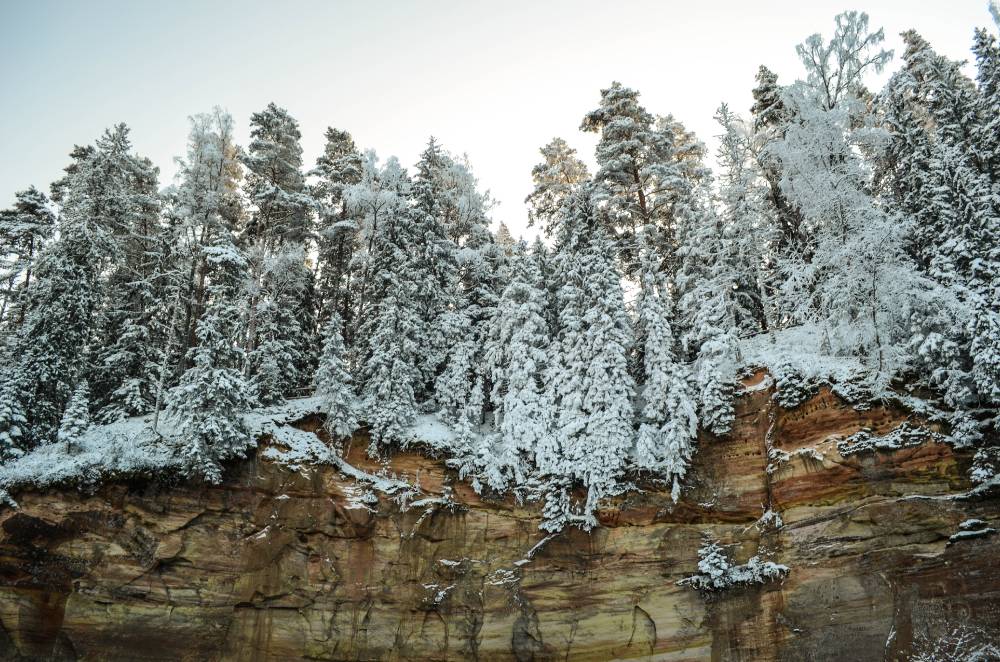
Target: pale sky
495,81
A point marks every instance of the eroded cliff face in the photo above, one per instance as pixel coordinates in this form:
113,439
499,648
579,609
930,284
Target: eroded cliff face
276,564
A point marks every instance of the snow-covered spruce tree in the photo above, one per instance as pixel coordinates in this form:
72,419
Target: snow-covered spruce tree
914,185
76,419
453,386
378,201
668,424
13,421
24,230
390,370
280,352
543,263
48,351
434,266
388,311
941,172
988,78
588,377
516,353
334,384
473,449
338,167
110,223
279,227
470,325
745,229
458,276
483,279
130,327
716,572
715,372
208,404
464,208
708,306
560,173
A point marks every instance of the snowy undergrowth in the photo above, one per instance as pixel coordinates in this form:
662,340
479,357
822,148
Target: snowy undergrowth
796,360
124,449
716,572
903,436
799,361
131,448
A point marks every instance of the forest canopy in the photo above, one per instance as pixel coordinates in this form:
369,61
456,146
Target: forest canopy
846,236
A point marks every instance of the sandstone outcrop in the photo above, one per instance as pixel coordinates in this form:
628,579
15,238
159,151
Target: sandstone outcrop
276,564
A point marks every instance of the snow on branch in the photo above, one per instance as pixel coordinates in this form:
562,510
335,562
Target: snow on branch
716,572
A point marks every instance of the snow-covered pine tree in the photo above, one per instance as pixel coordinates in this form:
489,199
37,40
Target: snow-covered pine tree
209,403
559,174
203,206
334,384
668,425
338,167
635,161
24,230
275,184
588,377
505,240
281,326
516,353
76,419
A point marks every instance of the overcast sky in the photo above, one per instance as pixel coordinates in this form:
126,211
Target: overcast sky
493,81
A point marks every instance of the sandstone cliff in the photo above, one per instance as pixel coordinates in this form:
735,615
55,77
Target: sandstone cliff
276,564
